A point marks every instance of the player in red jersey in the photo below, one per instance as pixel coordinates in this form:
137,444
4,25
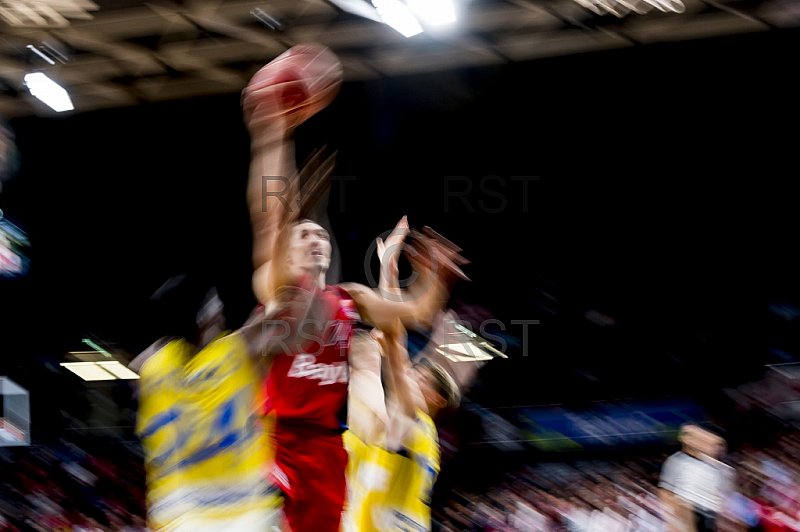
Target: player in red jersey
307,384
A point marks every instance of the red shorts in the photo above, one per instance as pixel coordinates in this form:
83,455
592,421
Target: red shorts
310,469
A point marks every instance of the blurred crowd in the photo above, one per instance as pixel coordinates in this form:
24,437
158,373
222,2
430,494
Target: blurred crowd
97,487
584,496
623,496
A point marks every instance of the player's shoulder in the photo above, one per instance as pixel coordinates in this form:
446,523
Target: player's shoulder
228,353
346,301
350,290
341,292
671,463
160,355
231,339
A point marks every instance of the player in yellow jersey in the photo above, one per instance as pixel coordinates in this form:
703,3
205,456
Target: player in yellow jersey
391,484
206,449
393,466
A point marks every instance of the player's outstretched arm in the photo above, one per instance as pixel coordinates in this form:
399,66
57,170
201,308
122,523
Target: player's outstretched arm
275,328
368,418
389,255
271,276
283,94
415,310
402,389
436,265
403,396
379,312
271,164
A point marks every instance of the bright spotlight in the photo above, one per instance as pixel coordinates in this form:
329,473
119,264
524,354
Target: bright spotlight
49,92
398,15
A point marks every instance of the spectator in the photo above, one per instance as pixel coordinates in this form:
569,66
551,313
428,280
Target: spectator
694,483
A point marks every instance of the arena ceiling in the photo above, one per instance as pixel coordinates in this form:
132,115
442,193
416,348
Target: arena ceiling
122,52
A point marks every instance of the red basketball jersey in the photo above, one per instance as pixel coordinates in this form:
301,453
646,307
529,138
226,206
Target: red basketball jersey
310,386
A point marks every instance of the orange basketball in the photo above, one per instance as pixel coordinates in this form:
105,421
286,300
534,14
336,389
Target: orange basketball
294,86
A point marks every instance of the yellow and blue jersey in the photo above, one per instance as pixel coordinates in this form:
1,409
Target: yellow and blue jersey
205,452
391,491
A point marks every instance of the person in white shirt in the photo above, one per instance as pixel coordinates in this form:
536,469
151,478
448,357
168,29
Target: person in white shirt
694,483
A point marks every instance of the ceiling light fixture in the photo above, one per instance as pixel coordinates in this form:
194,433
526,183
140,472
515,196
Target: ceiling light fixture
100,371
97,365
463,345
49,92
397,14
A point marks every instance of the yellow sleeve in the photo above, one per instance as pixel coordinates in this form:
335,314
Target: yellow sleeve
425,453
426,445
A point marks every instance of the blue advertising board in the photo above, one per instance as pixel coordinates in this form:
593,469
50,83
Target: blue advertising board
608,424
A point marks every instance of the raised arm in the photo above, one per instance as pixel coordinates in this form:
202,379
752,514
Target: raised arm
272,163
274,193
389,255
368,418
276,201
437,269
403,396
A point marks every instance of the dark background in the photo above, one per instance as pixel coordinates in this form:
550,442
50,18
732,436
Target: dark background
665,199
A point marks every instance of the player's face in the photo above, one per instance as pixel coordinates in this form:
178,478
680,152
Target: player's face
310,248
698,440
689,439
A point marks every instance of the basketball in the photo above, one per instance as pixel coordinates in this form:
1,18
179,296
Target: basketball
296,85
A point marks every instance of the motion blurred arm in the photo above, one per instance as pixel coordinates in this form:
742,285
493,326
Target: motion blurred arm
367,414
272,164
436,266
389,256
382,313
404,396
274,195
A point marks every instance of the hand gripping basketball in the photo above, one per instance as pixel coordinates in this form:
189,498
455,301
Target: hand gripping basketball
293,87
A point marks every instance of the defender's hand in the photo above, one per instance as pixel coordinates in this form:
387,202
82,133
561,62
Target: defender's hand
389,254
